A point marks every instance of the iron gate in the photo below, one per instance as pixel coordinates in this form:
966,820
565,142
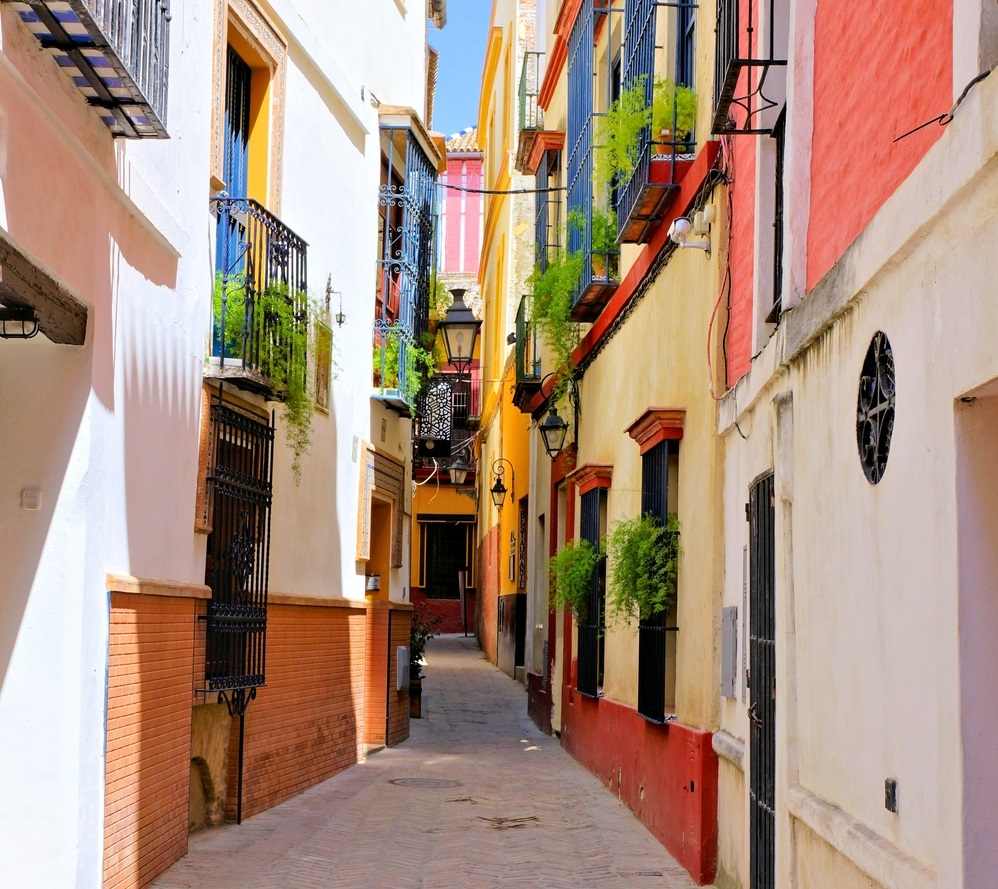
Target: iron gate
762,682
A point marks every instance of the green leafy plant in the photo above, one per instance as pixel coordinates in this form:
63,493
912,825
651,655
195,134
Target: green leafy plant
553,289
673,104
571,571
643,561
419,365
422,630
281,323
618,135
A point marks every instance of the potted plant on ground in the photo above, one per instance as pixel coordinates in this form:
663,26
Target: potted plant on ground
643,557
674,110
571,572
421,631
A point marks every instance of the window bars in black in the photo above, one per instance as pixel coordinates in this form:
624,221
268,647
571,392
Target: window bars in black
240,476
749,42
875,408
654,631
591,629
406,201
762,683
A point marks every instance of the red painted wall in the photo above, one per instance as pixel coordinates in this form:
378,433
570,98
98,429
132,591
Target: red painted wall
470,217
488,602
666,775
448,609
879,70
742,161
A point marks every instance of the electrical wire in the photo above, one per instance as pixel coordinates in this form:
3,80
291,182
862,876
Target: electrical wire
469,190
944,119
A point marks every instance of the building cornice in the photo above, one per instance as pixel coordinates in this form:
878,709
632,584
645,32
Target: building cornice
656,425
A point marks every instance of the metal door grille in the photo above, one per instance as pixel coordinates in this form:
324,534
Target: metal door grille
762,683
238,551
591,641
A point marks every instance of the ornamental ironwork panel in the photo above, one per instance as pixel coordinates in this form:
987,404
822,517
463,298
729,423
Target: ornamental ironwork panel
238,563
762,683
259,260
116,52
406,200
747,41
875,408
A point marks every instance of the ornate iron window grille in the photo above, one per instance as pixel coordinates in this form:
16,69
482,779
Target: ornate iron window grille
116,54
256,254
404,264
875,408
740,49
643,199
654,633
443,420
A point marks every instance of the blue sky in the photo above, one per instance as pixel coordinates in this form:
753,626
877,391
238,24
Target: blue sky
462,51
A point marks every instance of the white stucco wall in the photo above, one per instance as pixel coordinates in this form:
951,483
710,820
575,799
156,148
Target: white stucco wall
870,657
106,431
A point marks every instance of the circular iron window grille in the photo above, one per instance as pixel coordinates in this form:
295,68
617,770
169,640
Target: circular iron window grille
424,782
875,408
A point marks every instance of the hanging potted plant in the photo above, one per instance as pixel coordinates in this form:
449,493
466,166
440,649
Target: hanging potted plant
571,572
643,557
674,111
552,307
421,631
604,243
618,135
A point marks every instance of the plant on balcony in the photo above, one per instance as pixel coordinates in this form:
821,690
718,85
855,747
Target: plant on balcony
643,558
552,310
419,365
618,136
672,104
282,327
571,572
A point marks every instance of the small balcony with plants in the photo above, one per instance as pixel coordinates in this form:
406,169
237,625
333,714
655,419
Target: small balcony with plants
402,345
531,115
527,356
116,54
645,141
260,307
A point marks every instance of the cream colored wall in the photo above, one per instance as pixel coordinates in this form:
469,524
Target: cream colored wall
869,577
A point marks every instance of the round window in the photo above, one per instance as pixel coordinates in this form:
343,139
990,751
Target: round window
875,408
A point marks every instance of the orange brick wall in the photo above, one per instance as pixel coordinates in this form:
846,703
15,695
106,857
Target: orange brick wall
307,723
150,664
398,701
376,675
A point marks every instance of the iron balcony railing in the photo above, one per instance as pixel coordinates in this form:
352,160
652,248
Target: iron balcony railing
260,277
747,41
531,115
662,156
447,410
117,53
406,200
653,642
528,360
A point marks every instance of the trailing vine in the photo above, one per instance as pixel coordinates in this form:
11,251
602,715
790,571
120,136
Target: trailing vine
571,571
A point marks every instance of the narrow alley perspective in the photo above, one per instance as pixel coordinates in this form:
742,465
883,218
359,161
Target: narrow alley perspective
476,798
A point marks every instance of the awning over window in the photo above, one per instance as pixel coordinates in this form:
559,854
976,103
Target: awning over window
61,315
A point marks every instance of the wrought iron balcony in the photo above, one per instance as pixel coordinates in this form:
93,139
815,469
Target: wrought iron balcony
448,413
531,114
662,159
406,210
261,292
116,52
528,361
746,48
597,282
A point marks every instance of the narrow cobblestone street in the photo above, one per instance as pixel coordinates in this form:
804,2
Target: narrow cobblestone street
477,797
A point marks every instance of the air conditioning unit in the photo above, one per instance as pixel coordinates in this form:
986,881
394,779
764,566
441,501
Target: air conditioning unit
402,653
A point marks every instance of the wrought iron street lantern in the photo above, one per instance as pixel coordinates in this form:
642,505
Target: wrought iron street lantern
459,329
459,471
553,432
498,489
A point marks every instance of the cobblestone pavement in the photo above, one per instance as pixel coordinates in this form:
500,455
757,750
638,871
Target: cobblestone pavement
480,798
